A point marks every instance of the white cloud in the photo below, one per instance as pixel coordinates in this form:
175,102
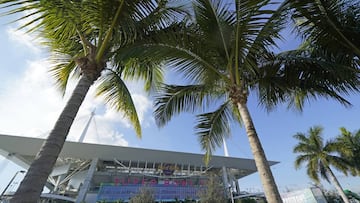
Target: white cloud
23,38
103,126
143,104
31,105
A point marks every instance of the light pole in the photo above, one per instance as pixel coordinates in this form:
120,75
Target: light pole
12,179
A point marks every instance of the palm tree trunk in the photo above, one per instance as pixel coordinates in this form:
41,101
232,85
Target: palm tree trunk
337,185
270,189
31,187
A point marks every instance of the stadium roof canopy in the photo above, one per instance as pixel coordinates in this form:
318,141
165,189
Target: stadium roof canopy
22,151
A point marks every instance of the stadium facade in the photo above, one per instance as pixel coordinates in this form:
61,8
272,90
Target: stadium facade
105,173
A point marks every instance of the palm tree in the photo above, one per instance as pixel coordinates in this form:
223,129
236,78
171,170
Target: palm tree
224,55
332,24
319,156
348,146
88,40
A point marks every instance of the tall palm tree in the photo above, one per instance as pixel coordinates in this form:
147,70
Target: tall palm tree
88,39
319,157
224,54
348,146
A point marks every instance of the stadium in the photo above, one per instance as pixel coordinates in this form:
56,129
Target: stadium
104,173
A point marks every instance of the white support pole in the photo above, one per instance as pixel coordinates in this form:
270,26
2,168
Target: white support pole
85,187
228,187
226,152
82,137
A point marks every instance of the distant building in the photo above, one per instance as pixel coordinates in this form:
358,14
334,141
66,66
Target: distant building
104,173
308,195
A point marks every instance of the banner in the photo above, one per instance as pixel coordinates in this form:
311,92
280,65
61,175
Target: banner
113,193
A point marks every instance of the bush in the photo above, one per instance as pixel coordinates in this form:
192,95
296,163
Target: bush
145,195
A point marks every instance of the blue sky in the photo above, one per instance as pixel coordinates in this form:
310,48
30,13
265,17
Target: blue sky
30,104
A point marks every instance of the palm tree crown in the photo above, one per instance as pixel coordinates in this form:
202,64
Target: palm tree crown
89,39
76,30
225,53
348,146
319,157
317,154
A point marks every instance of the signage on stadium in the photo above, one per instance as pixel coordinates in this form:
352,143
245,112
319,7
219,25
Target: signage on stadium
111,193
168,169
164,189
154,181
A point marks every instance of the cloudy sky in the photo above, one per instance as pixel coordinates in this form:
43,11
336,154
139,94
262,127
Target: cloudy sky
30,104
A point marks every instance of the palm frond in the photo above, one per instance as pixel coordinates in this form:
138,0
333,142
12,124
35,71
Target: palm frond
301,159
62,70
236,114
301,137
304,146
314,169
179,57
339,163
217,14
329,21
176,99
212,128
11,7
164,14
323,171
261,33
116,94
297,76
148,71
315,137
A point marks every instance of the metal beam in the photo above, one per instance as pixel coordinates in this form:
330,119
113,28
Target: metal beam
85,187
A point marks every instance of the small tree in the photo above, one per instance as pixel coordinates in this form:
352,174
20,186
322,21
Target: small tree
348,146
214,190
319,157
145,195
247,200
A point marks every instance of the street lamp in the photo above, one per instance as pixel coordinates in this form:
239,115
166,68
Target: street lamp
12,179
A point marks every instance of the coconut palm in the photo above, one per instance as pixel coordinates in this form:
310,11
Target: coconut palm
332,24
87,40
224,55
319,158
348,146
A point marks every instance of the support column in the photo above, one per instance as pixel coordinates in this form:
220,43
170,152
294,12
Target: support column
82,137
225,178
237,186
226,175
85,187
226,184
